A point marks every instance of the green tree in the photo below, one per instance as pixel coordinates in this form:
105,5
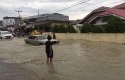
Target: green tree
97,29
115,25
86,28
70,29
55,28
61,29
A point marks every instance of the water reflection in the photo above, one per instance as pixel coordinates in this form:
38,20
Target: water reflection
52,72
51,69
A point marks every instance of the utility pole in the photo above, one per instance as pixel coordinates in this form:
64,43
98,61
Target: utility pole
38,15
38,20
19,16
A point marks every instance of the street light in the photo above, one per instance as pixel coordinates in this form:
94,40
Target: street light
18,12
19,16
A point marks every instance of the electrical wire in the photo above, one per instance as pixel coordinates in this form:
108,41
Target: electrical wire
73,5
90,7
83,9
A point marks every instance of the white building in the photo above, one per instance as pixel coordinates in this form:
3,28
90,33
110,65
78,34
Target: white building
11,21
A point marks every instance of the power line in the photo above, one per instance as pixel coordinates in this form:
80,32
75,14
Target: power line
73,6
84,6
90,6
77,5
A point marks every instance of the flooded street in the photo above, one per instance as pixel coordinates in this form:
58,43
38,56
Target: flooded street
73,60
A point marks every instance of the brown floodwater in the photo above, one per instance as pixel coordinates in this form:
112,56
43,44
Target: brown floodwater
73,60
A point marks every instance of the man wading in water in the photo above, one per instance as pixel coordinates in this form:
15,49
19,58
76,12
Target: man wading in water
49,50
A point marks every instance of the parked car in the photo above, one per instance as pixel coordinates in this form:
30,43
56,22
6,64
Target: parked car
39,40
5,35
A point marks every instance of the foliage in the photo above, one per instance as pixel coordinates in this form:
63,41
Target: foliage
97,29
55,28
115,25
59,29
70,29
86,28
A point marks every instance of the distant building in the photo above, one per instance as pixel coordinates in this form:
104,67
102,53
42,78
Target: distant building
74,22
45,22
100,16
76,25
11,21
46,17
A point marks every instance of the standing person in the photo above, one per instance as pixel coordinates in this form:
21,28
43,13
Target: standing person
54,36
49,50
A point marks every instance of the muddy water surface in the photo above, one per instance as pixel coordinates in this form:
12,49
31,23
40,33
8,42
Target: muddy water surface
73,60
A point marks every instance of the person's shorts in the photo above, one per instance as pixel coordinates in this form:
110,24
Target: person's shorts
49,54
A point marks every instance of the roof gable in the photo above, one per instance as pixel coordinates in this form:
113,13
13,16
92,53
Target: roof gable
98,11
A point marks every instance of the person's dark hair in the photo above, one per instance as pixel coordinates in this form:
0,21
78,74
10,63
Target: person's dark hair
49,37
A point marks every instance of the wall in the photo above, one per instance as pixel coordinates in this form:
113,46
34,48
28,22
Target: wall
106,37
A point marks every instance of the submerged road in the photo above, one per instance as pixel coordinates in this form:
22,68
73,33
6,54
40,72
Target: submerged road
73,60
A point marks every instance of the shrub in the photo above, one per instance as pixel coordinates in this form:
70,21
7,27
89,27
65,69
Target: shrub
61,29
86,28
115,25
55,28
70,29
97,29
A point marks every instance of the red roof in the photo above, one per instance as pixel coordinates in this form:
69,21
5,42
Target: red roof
107,11
117,12
120,6
100,9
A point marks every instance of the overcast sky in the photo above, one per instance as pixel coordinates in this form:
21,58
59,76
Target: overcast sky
31,7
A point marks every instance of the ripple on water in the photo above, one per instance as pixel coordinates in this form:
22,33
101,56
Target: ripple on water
73,60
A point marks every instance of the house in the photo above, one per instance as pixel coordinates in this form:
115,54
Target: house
100,16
